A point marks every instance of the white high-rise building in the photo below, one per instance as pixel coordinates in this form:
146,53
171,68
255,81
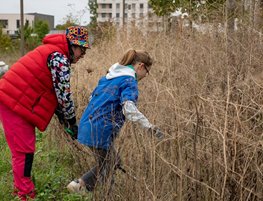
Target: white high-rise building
112,10
137,11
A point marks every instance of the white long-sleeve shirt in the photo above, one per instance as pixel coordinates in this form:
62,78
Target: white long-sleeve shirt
132,113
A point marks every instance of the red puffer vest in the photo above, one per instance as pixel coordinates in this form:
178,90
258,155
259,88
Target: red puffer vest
27,88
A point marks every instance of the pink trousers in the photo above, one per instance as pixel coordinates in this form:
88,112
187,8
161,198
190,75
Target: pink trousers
21,139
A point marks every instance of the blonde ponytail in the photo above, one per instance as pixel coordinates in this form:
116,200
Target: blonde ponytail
128,58
131,57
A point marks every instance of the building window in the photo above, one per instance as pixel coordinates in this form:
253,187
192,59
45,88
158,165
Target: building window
17,24
103,5
110,15
141,14
141,5
133,15
126,15
110,5
117,15
4,23
103,15
117,5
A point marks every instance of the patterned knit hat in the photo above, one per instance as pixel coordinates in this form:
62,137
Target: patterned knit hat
78,35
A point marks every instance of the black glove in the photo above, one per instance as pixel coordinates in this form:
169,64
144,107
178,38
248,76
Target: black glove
71,127
156,132
72,130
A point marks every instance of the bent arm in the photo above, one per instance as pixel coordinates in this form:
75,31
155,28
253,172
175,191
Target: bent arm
60,69
132,113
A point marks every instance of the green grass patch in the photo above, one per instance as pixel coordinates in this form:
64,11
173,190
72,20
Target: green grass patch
51,172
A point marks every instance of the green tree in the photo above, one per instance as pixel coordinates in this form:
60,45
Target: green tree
206,10
28,31
93,6
164,7
41,29
210,9
34,35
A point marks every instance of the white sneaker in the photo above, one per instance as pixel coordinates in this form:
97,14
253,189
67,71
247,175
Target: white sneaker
77,186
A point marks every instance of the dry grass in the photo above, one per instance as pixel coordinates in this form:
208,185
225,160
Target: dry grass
203,95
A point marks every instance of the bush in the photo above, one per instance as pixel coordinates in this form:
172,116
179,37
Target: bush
34,36
5,42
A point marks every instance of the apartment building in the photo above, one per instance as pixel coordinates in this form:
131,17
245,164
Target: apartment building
137,11
11,22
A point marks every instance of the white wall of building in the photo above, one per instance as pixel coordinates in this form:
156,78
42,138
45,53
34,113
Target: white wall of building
13,22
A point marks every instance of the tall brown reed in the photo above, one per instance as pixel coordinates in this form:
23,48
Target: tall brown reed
209,105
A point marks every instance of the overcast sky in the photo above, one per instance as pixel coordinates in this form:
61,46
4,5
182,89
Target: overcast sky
58,8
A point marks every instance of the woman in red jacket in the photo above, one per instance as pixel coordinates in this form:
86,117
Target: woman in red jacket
36,87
